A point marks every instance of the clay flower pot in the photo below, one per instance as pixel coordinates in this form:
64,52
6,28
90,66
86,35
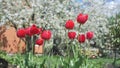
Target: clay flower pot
38,49
10,43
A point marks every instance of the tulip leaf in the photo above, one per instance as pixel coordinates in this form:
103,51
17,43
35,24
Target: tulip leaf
78,62
43,63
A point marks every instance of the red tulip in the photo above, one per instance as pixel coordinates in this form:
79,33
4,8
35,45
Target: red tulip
69,24
89,35
81,38
71,35
40,30
46,34
34,29
82,18
39,41
28,31
21,33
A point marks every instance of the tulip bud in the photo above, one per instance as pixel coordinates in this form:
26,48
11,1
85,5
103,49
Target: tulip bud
71,35
39,41
34,29
82,18
69,24
81,38
21,33
89,35
46,34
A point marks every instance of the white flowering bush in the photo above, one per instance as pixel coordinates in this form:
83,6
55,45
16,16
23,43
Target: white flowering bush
52,14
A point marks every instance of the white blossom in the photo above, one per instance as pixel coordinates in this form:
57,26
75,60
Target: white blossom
54,14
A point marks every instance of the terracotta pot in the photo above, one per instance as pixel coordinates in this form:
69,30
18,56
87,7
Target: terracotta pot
10,43
38,49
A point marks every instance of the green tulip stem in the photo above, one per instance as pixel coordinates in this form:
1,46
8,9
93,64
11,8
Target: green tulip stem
44,47
79,27
67,45
33,44
27,50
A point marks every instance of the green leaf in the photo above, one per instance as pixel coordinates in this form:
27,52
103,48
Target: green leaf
43,63
78,62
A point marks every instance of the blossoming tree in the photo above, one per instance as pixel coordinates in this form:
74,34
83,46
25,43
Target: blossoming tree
52,14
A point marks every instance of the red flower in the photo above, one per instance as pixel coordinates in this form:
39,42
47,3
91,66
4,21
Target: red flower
71,35
69,24
34,30
82,18
28,31
46,34
40,30
39,41
21,33
89,35
81,38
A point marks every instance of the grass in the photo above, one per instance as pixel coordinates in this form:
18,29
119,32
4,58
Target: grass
18,59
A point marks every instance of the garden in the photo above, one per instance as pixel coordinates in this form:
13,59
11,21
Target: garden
59,34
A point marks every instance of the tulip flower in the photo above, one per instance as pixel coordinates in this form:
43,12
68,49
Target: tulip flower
46,34
89,35
69,24
39,41
28,32
82,18
40,30
81,38
71,35
34,29
21,33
